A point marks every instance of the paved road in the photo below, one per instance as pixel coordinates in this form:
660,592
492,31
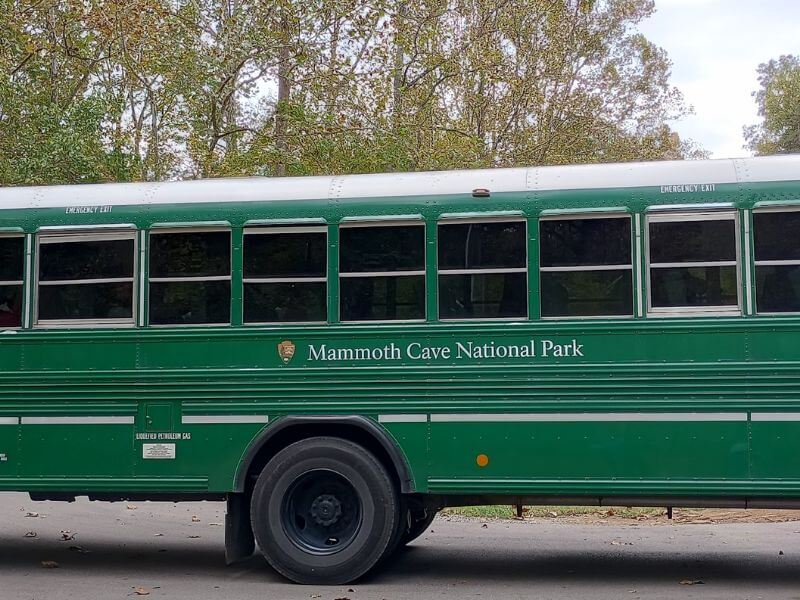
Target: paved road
162,549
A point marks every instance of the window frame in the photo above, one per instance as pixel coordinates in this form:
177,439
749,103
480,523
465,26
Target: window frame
766,263
372,222
581,217
276,229
155,230
25,272
685,215
454,220
59,234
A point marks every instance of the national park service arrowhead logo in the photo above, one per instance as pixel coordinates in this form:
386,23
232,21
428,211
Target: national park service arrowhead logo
286,350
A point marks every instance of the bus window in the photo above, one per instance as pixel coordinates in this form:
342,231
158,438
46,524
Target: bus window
11,258
285,275
777,259
482,270
586,268
86,277
190,277
693,262
382,272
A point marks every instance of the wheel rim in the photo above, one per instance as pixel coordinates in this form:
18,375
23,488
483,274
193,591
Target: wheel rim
321,512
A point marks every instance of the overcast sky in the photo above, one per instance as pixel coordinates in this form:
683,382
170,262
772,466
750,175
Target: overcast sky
715,47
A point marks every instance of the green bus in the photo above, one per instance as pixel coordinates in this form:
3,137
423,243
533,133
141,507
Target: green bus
341,357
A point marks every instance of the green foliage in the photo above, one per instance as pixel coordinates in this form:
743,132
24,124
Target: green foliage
109,90
779,105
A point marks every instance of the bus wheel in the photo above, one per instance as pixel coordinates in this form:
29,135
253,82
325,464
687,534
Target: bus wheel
324,510
418,527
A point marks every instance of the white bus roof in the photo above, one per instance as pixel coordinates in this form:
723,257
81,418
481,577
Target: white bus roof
265,189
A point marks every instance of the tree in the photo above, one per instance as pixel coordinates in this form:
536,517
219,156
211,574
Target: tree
779,105
99,90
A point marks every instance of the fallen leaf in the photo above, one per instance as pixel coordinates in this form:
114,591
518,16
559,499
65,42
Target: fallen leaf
691,582
49,564
131,507
31,534
67,535
215,524
553,514
195,519
159,535
32,514
315,596
484,526
79,549
141,591
193,537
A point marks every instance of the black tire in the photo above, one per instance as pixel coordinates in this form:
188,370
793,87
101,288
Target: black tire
418,527
324,511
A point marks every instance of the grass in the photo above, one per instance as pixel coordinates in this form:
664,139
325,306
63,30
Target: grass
508,512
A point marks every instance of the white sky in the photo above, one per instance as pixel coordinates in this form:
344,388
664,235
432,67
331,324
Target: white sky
715,47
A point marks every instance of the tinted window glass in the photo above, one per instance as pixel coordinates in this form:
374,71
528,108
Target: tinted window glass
10,305
190,254
485,295
693,286
692,241
86,301
94,259
285,302
578,242
586,293
382,298
190,302
285,255
482,245
381,249
11,253
776,235
778,288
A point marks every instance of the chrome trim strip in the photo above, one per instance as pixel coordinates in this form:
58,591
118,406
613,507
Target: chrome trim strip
284,280
775,417
86,281
637,256
499,270
748,300
9,420
27,299
416,418
85,228
687,265
189,279
586,417
109,420
777,263
221,419
141,270
584,268
354,274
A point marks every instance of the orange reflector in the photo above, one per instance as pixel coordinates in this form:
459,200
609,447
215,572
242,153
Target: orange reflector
482,460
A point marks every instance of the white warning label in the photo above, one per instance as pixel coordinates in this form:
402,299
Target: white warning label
162,451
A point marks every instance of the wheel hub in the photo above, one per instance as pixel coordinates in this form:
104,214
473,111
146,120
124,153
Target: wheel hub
326,509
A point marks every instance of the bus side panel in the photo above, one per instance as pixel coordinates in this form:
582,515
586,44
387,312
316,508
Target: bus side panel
587,457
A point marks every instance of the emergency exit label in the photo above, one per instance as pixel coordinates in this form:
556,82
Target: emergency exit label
158,451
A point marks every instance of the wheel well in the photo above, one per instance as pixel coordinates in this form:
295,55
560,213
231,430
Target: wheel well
358,430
